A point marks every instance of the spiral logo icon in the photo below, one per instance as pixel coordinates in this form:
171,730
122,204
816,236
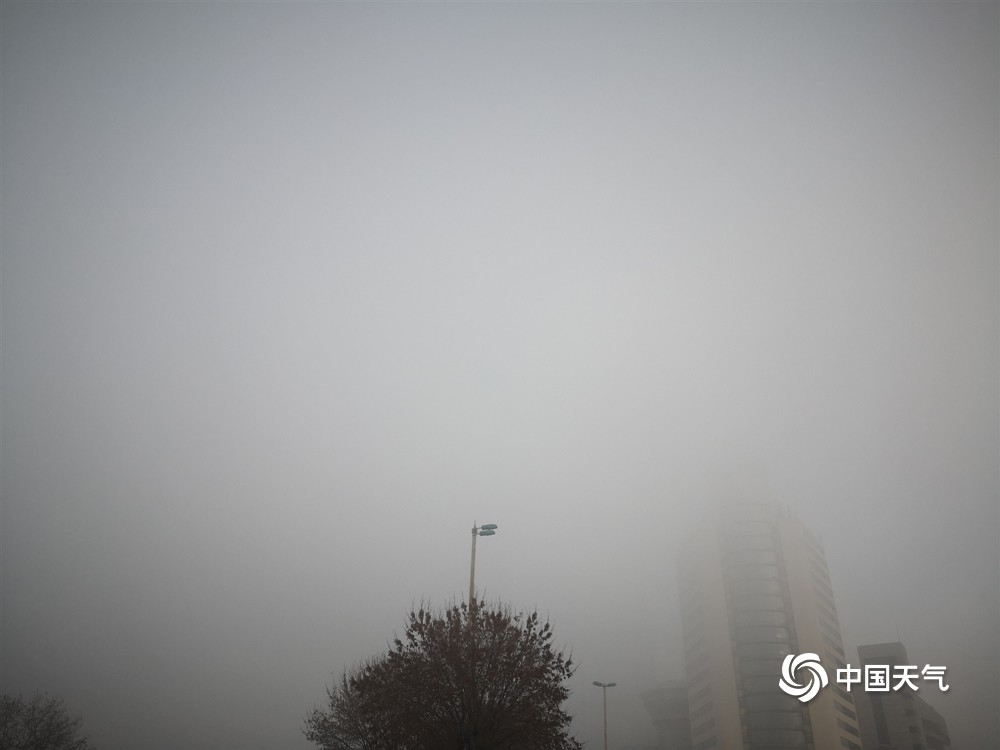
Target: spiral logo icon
789,671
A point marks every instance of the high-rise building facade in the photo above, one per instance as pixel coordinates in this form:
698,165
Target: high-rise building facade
899,719
754,587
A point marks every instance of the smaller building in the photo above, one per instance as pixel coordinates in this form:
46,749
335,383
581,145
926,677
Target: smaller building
898,719
668,708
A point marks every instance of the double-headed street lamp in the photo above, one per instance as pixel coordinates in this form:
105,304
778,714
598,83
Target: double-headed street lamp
487,529
604,689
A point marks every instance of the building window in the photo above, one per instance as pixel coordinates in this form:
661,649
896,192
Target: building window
762,635
832,632
776,738
834,645
747,528
822,582
761,668
755,587
743,602
699,677
817,547
750,542
771,702
844,695
743,572
699,694
696,660
819,564
703,727
832,657
699,712
758,618
824,598
750,556
774,720
844,710
758,685
763,650
826,612
848,728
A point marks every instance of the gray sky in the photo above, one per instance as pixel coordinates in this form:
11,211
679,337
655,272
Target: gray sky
294,293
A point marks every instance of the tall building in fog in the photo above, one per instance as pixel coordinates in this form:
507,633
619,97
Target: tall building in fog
754,587
898,719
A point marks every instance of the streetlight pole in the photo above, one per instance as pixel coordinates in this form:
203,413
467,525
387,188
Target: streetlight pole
487,529
604,689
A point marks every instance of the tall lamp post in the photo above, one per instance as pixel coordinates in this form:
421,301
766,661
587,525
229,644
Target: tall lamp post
604,689
487,529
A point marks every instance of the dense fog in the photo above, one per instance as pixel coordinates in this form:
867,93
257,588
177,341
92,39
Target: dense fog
293,294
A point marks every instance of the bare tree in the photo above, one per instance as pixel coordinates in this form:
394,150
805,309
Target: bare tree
485,679
38,723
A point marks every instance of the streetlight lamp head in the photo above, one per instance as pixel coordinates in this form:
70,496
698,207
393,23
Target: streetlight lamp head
599,684
487,529
612,684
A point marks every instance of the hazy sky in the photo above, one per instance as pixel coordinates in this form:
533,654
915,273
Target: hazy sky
292,294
